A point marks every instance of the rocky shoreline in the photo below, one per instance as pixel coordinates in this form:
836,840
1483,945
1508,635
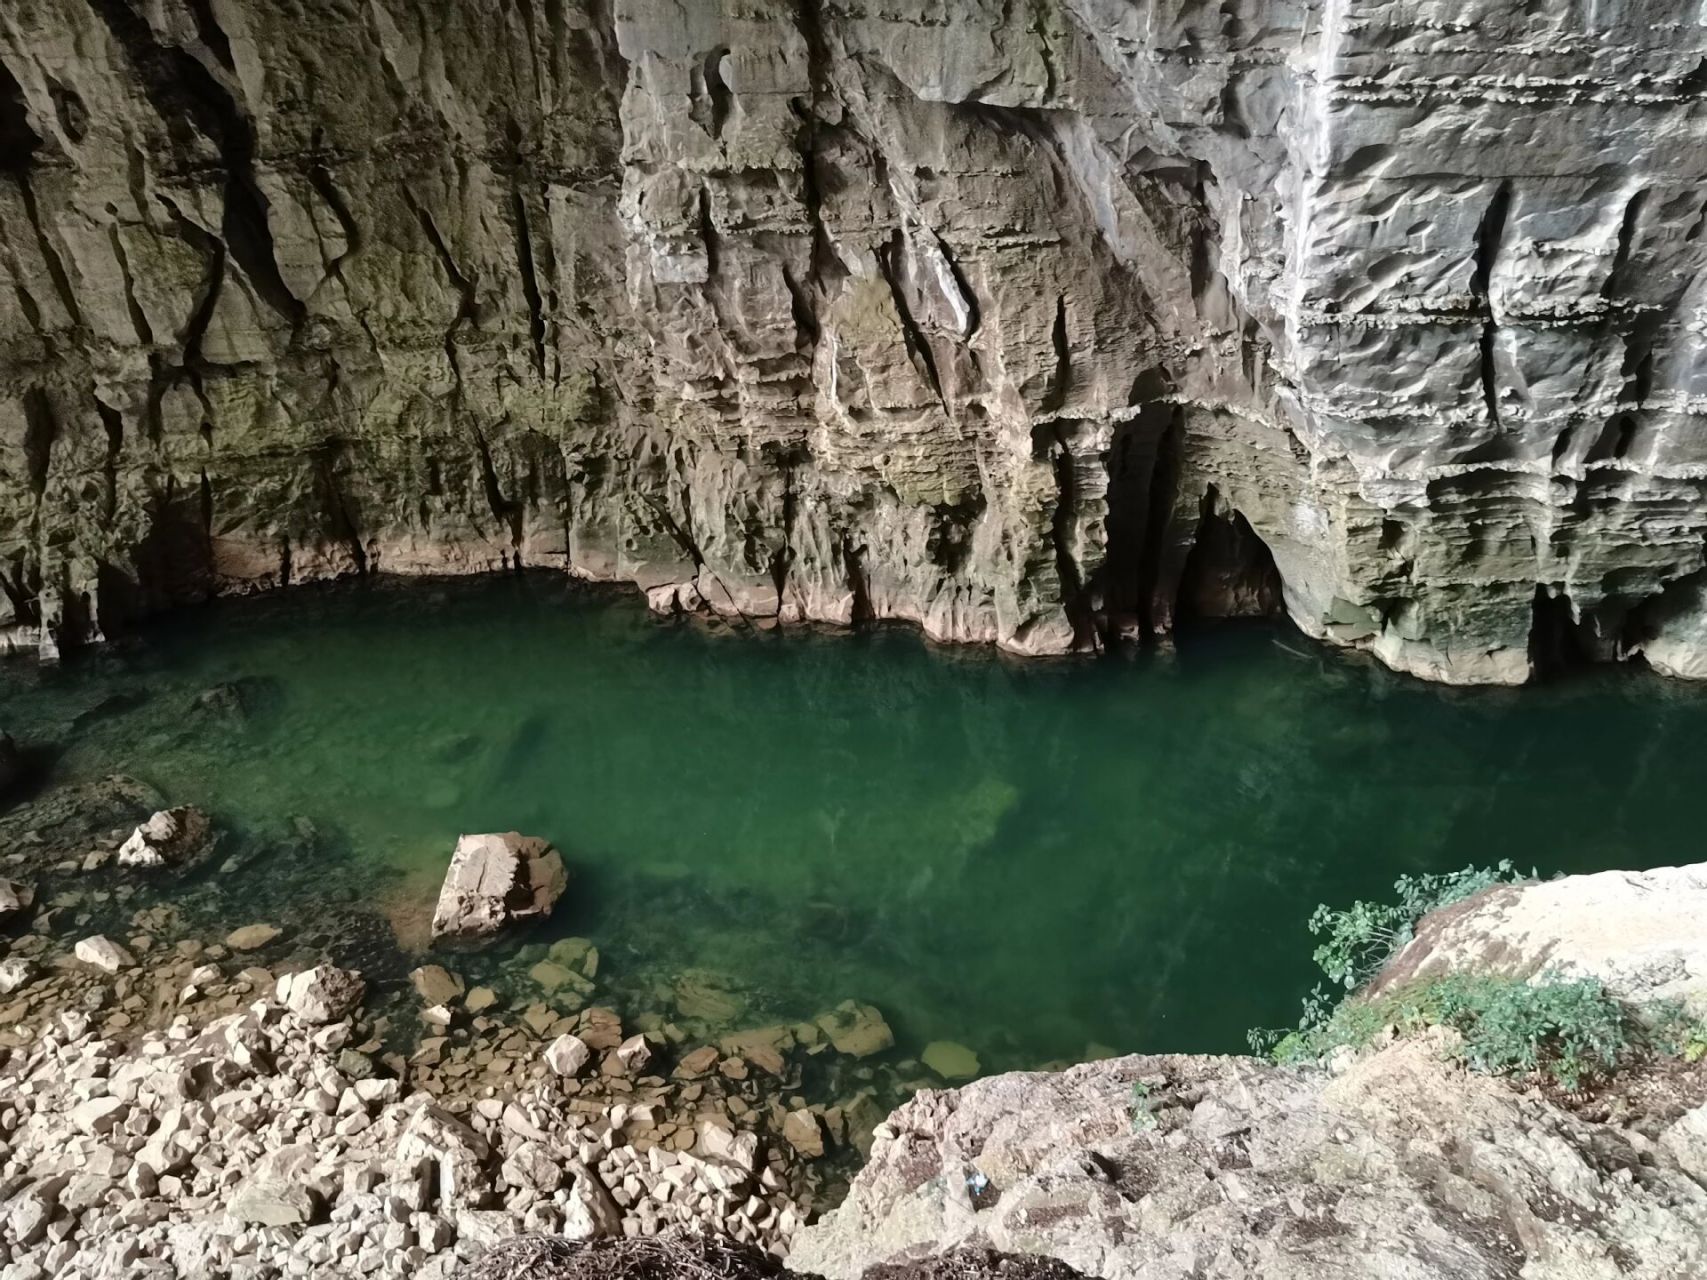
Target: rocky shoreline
242,1103
183,1100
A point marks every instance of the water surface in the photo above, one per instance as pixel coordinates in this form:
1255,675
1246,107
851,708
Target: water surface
1035,859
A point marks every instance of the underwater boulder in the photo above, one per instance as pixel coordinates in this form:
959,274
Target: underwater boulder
496,880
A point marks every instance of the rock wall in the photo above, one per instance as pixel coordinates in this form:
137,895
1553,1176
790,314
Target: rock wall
1028,320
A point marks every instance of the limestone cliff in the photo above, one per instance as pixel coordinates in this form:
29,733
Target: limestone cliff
1034,321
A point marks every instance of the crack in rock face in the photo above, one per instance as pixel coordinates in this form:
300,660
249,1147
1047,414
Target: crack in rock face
1032,324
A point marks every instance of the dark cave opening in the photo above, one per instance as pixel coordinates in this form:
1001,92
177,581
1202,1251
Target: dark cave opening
1555,638
1230,572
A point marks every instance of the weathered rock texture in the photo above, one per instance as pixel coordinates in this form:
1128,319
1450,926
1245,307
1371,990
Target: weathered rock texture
983,314
1230,1167
496,880
1642,933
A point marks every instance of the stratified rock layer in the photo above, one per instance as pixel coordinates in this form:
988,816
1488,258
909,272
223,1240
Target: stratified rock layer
1032,323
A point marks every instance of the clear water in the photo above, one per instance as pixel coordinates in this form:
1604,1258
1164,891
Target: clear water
1034,859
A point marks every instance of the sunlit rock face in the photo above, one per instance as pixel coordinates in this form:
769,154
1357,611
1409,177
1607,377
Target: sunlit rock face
1034,323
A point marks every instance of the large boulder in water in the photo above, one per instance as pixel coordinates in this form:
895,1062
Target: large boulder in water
494,881
171,838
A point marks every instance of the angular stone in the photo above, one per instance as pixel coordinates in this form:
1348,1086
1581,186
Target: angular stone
170,838
252,937
99,1115
804,1133
322,994
15,972
634,1053
591,1213
857,1030
700,1062
436,984
455,1152
567,1055
277,1193
495,880
104,954
738,1147
15,900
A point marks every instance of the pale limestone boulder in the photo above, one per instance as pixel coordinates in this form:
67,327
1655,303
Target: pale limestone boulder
321,995
567,1055
277,1193
633,1054
436,985
171,838
1404,1165
455,1153
104,954
591,1214
1642,933
495,880
804,1132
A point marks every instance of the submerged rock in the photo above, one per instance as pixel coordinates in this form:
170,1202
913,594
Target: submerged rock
567,1055
496,880
949,1060
171,838
857,1030
252,937
435,984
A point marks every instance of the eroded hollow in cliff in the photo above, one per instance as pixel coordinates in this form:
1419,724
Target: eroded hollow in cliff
1230,572
1556,641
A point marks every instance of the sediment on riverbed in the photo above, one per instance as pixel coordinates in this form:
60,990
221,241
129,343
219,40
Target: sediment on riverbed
184,1094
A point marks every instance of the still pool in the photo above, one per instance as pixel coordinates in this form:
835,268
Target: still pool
1033,859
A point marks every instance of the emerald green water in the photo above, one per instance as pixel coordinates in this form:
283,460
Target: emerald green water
1028,858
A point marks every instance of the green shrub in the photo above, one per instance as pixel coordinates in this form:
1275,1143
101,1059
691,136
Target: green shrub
1361,938
1364,936
1570,1030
